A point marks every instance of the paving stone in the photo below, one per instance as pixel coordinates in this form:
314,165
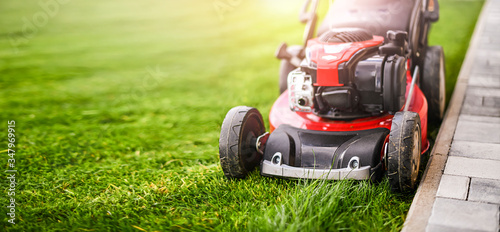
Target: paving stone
478,71
473,100
490,30
493,19
484,68
457,215
482,101
477,128
487,56
485,80
481,168
494,61
490,46
475,150
485,190
455,187
480,110
491,101
488,61
471,118
483,91
483,64
487,39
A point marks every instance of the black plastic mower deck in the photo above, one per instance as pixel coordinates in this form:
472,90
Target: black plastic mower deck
325,149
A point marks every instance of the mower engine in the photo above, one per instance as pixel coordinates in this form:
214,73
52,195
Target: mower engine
347,73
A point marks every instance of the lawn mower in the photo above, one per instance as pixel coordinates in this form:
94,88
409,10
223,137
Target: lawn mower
355,99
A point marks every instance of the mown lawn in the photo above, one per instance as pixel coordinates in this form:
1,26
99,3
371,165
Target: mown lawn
118,106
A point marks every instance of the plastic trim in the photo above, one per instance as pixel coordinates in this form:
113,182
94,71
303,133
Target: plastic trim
282,170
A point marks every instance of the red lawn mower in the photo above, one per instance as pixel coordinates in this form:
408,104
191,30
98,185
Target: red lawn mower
355,101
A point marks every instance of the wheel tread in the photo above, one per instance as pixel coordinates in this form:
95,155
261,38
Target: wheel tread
232,162
399,163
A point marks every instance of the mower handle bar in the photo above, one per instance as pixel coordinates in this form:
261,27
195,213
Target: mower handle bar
432,10
412,87
305,16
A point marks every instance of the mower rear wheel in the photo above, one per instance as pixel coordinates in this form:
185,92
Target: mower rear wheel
434,82
403,158
237,143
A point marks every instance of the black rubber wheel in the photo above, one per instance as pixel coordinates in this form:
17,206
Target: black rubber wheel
240,129
285,68
403,158
434,82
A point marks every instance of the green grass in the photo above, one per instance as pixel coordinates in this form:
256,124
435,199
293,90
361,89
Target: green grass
335,206
118,106
453,31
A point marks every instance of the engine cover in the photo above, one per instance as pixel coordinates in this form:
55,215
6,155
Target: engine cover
335,60
345,76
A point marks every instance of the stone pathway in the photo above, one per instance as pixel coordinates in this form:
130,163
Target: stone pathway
460,190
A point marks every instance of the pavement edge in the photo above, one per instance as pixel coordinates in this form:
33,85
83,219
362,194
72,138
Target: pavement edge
421,207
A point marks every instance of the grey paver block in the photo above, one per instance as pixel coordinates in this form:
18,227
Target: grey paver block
471,118
485,69
485,190
475,150
492,17
482,101
488,58
481,168
481,110
474,100
478,129
494,61
485,80
457,215
488,39
477,71
483,91
490,45
455,187
487,62
491,102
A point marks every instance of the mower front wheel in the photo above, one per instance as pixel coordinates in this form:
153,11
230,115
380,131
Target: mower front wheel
403,158
237,143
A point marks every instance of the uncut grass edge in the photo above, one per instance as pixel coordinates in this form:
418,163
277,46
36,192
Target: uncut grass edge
317,205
